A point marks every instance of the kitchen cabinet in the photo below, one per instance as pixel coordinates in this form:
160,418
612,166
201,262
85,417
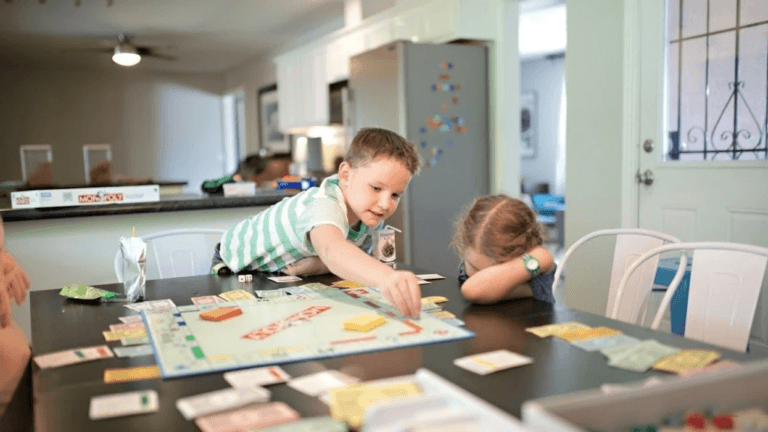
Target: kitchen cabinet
303,75
302,88
338,53
410,25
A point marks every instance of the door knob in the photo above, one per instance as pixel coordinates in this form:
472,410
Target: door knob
648,146
645,178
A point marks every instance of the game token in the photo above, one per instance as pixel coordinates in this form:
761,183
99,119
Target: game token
364,322
221,314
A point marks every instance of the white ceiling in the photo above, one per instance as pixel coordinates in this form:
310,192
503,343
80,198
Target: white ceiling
205,35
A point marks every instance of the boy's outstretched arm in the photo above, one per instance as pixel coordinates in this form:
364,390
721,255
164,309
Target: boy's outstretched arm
346,260
307,267
503,281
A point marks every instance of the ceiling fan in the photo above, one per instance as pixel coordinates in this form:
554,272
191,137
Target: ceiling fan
126,53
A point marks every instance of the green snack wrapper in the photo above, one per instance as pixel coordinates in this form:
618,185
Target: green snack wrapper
85,292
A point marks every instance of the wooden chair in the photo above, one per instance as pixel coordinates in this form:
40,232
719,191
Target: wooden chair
722,298
631,243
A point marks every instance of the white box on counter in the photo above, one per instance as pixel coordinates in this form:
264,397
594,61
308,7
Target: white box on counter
84,196
736,389
240,189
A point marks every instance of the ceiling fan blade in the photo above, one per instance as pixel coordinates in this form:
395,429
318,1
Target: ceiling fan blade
163,56
148,52
88,50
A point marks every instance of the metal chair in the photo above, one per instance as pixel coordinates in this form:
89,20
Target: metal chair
631,243
177,253
722,299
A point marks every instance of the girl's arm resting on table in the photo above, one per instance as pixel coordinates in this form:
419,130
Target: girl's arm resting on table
347,261
503,281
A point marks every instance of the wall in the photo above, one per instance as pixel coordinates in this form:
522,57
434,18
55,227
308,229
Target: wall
594,79
163,126
248,78
545,78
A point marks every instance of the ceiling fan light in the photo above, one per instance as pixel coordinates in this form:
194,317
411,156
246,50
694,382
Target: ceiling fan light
125,55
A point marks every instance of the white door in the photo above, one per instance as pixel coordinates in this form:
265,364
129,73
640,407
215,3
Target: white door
703,113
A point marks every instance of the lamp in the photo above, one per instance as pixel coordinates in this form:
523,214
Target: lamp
125,55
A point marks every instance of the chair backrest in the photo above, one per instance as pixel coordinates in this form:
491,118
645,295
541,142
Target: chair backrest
631,243
724,288
177,253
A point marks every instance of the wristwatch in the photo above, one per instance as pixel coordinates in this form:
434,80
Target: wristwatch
531,264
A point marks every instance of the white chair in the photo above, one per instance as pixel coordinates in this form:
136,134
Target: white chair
631,243
177,253
722,297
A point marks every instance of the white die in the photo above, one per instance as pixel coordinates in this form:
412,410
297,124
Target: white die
241,278
249,278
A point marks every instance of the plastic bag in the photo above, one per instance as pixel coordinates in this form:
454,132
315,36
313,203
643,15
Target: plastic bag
133,268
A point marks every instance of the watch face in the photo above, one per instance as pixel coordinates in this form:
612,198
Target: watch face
532,264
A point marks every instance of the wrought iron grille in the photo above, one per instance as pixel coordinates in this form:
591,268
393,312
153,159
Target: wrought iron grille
735,129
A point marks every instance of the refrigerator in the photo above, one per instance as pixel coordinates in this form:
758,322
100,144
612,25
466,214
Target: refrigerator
436,96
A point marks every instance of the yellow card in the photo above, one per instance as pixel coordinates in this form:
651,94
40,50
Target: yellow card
364,322
237,295
685,360
442,315
593,333
554,329
347,284
349,403
433,299
119,334
131,374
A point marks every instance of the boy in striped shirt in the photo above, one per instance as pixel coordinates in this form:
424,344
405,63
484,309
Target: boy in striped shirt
329,228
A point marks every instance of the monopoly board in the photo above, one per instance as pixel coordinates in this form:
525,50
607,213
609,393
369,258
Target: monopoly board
287,325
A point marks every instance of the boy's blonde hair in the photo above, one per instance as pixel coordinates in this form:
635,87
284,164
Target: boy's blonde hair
497,226
371,143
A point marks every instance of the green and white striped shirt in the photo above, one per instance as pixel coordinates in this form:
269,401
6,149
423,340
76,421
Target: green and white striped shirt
279,235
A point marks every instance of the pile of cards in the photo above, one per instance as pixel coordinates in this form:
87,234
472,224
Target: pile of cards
155,305
350,403
73,356
123,404
483,364
626,352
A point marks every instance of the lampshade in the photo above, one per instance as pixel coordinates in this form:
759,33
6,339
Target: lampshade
125,55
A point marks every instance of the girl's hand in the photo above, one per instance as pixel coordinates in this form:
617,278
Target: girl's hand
306,267
402,289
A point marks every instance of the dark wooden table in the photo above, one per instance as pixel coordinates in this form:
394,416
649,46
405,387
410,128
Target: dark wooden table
62,395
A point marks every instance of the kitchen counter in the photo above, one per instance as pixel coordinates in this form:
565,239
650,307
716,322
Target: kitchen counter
172,203
62,245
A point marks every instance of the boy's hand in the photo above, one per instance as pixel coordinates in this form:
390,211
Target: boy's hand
13,280
306,267
402,289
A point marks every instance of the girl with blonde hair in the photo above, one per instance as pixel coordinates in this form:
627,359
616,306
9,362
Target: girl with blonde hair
500,244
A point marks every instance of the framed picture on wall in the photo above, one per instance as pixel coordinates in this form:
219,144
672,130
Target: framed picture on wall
528,124
270,137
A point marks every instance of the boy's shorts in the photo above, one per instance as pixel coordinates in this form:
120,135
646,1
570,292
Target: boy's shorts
218,267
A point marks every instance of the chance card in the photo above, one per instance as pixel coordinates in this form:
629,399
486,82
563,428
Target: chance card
493,361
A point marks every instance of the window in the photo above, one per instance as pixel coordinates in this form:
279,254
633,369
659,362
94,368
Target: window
717,80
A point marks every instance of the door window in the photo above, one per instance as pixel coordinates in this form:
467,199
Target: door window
716,80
